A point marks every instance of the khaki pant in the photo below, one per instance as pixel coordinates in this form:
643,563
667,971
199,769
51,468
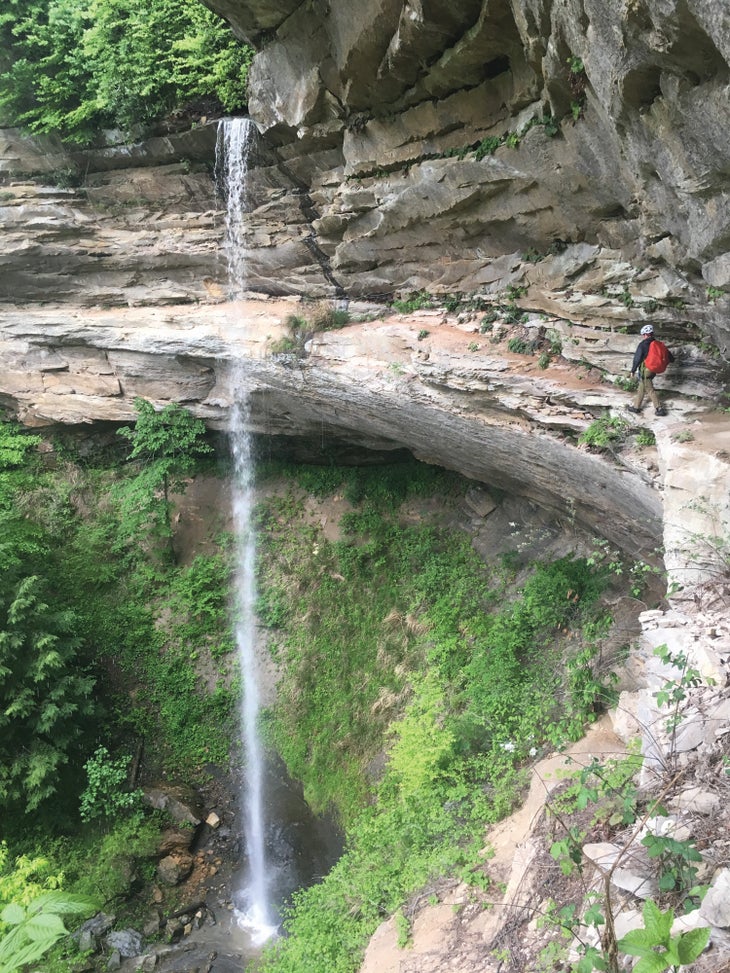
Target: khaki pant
646,387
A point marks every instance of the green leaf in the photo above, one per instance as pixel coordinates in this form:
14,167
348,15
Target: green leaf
45,926
591,960
667,881
651,964
691,944
29,952
63,904
638,942
594,916
658,924
12,914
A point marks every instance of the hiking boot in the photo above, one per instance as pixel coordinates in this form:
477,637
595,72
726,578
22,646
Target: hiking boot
661,412
632,408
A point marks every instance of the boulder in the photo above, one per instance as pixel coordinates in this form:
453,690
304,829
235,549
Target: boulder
173,869
715,907
127,942
181,804
90,932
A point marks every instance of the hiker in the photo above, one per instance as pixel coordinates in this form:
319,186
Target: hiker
650,358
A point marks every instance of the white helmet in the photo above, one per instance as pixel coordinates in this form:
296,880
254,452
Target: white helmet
648,329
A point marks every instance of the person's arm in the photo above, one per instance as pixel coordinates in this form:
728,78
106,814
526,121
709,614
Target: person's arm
639,355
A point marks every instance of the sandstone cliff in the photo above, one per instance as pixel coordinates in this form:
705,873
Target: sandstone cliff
606,123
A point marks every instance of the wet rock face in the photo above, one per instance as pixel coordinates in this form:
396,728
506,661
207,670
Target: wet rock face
366,181
374,108
412,145
125,225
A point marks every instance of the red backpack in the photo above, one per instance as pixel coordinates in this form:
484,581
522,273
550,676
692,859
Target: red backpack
657,357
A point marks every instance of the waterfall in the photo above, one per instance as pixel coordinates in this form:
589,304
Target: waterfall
235,137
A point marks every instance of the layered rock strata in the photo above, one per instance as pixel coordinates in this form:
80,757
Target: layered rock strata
431,384
433,139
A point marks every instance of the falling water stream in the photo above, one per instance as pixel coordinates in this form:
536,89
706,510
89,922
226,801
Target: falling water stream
235,137
255,912
286,846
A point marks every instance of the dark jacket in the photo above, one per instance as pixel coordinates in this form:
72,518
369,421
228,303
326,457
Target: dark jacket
642,350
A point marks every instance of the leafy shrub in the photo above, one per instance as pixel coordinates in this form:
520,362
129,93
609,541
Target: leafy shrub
326,316
513,314
645,437
103,866
627,384
106,794
555,342
79,68
605,432
416,301
203,587
166,444
532,256
487,146
25,877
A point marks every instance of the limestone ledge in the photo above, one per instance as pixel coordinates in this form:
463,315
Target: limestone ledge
465,404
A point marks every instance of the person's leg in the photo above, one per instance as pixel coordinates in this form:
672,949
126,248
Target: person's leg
651,391
639,397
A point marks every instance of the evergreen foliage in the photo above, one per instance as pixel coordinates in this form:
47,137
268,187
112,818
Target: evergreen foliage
167,444
45,693
44,698
75,67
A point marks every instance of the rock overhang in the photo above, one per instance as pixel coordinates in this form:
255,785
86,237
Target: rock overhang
371,384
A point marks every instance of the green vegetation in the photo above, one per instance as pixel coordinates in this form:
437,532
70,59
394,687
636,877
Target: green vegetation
45,688
35,928
319,316
645,437
97,629
398,636
604,433
165,445
519,346
416,301
625,383
76,68
578,81
611,789
416,681
106,794
657,948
